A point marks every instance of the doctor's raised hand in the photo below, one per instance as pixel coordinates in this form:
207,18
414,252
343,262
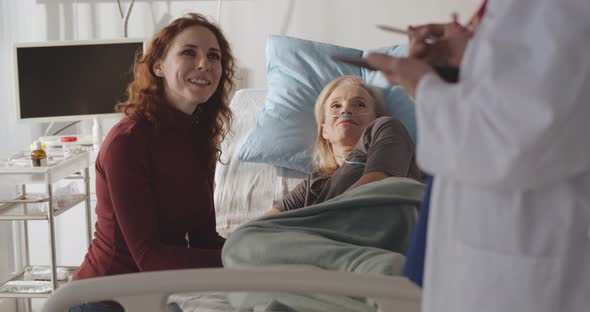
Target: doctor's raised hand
441,44
431,44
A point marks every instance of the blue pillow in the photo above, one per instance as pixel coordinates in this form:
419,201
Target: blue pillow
297,71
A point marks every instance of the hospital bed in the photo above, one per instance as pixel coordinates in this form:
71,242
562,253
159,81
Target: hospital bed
243,191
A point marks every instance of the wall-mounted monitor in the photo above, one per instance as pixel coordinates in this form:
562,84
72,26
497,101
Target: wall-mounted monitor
73,80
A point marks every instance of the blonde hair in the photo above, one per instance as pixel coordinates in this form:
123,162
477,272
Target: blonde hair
323,155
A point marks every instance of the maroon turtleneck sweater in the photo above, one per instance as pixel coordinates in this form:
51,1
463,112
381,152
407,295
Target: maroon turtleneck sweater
154,193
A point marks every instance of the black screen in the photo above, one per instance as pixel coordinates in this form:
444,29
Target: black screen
74,80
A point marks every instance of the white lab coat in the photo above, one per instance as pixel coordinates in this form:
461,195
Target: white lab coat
509,146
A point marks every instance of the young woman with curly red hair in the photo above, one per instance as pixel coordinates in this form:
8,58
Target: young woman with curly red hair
155,170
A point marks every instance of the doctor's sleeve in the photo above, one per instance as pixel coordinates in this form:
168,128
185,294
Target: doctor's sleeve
520,116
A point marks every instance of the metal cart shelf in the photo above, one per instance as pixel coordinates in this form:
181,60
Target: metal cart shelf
42,206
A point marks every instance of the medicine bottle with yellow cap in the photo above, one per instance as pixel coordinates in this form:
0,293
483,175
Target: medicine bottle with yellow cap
38,155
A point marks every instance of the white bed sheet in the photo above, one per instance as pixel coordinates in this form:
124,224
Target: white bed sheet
202,302
243,190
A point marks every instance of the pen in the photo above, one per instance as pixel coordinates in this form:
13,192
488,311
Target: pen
393,29
446,72
429,40
400,31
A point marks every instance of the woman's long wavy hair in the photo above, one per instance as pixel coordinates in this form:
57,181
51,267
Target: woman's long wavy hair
324,159
145,94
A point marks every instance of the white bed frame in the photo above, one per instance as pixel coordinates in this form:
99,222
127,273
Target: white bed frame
149,291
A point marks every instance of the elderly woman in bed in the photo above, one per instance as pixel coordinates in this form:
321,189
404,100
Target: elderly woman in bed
355,145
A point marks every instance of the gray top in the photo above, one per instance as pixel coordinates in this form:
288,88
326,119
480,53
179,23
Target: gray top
384,146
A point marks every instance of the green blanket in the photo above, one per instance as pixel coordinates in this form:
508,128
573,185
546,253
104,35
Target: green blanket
365,230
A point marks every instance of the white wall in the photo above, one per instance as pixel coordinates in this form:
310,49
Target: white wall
247,23
12,134
343,22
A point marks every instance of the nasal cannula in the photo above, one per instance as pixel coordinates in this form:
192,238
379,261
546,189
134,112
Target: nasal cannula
348,115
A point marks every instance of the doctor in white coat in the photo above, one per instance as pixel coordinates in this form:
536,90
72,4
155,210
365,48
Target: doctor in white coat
509,145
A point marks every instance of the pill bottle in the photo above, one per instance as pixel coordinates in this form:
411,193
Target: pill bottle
38,155
69,146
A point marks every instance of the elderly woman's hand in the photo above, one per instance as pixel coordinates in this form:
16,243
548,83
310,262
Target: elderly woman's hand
406,72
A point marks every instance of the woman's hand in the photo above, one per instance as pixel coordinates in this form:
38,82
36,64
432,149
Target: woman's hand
368,178
439,43
271,212
406,72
